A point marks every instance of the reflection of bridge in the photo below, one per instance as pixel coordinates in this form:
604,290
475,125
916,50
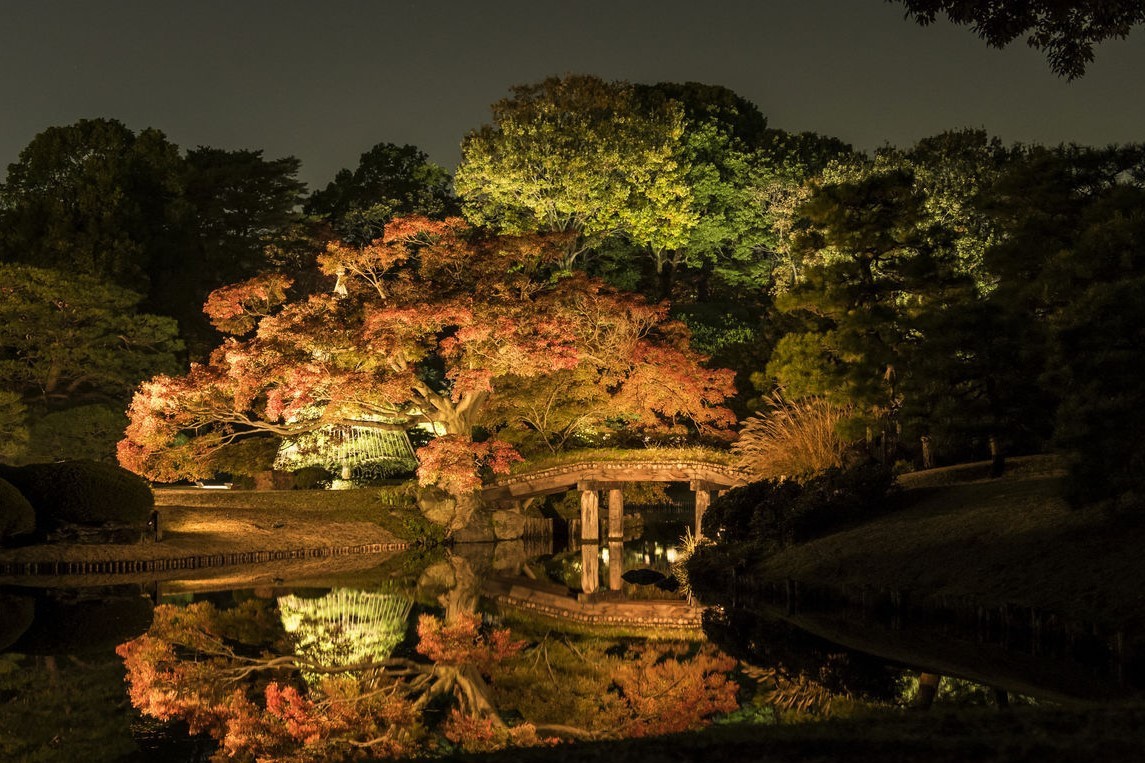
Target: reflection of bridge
593,477
554,601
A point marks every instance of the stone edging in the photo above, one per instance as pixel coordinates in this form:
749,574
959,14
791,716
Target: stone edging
197,561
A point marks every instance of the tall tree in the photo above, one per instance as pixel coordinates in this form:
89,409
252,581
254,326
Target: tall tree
1065,31
429,324
581,156
390,181
76,338
238,215
91,198
874,265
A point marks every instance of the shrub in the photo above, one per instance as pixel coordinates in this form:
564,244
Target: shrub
82,492
776,513
16,515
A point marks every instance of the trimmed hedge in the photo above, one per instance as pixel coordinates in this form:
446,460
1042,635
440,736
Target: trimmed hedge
16,515
83,493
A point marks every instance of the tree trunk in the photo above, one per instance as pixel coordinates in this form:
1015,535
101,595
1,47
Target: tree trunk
997,458
927,690
927,453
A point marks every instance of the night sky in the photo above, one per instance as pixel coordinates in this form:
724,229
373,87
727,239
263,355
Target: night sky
325,81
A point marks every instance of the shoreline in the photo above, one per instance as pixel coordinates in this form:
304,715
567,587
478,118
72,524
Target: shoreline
234,531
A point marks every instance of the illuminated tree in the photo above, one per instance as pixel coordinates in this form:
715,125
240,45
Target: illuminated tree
581,156
431,324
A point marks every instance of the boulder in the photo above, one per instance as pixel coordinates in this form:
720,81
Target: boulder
508,524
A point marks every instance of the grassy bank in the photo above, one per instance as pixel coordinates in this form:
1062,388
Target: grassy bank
207,522
1013,541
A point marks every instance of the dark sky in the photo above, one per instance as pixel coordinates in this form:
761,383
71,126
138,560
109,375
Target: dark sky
324,81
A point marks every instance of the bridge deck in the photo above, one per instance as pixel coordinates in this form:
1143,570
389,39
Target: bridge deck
558,479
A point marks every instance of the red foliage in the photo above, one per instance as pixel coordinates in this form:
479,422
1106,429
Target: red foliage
668,695
487,735
428,295
463,642
237,309
454,463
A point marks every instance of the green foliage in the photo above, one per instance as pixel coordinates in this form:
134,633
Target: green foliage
63,336
389,181
16,515
58,704
13,426
579,155
1065,32
82,492
92,198
246,457
83,432
1098,352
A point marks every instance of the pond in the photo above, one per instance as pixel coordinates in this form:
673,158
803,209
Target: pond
470,649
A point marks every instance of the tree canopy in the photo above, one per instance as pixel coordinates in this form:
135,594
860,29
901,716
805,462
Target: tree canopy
390,181
76,337
578,155
91,198
435,324
1065,31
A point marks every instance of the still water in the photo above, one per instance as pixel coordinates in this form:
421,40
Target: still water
475,648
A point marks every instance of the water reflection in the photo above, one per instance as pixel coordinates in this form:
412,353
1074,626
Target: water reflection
245,677
476,649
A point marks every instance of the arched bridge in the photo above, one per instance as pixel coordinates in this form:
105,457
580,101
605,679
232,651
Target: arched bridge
592,477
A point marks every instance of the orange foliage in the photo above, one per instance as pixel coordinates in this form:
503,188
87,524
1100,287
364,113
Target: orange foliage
667,695
462,642
434,322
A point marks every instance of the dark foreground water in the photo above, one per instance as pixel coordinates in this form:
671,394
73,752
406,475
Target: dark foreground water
471,649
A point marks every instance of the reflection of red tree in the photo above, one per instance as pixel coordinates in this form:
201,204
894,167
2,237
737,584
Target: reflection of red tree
218,671
224,673
665,694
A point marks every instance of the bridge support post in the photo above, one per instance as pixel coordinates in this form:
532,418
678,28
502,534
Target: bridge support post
590,567
615,564
615,514
703,500
589,515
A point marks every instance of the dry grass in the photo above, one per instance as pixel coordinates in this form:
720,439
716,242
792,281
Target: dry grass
794,438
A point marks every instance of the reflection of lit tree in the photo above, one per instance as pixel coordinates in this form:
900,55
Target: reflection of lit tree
346,627
229,673
235,675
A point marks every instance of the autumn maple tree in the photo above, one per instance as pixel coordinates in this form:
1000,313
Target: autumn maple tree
436,324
